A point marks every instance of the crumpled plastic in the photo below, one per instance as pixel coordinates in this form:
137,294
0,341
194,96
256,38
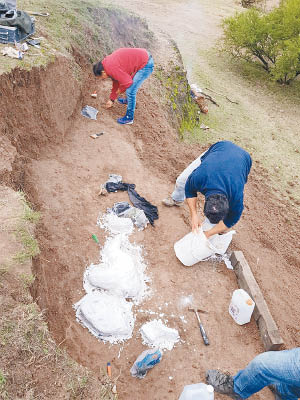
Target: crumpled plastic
11,52
114,187
145,361
139,202
124,209
89,112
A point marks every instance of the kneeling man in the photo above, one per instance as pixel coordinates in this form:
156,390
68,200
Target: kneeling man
220,174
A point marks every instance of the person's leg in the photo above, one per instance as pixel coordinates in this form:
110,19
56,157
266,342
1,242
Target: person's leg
278,368
131,92
179,190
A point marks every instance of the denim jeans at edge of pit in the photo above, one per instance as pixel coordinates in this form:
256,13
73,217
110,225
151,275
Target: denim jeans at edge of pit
138,79
279,368
179,190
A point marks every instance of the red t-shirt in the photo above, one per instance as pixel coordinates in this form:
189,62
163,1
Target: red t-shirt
122,65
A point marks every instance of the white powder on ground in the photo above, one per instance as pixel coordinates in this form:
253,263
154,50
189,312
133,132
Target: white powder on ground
119,275
121,271
185,301
114,224
156,334
108,317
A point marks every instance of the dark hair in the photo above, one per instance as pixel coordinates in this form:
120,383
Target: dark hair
98,68
216,208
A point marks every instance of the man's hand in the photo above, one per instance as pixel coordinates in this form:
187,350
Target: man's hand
196,223
109,104
195,220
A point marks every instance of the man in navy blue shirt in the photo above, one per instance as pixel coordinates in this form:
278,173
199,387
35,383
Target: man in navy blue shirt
220,175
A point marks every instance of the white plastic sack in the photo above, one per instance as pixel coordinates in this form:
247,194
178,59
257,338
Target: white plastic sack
221,242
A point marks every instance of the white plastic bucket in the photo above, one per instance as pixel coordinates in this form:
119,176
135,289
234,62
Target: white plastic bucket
192,248
241,307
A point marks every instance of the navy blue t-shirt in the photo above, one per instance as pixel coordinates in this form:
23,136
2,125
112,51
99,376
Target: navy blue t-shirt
224,170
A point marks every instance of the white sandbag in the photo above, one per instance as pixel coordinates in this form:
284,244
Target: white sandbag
221,242
108,317
195,247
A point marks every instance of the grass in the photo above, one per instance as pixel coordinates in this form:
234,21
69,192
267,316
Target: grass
24,338
28,213
27,280
2,380
29,243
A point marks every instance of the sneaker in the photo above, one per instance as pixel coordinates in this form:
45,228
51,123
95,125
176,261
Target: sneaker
121,100
169,202
222,383
125,120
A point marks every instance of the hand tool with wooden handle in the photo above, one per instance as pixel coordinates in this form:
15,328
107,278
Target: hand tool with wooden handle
202,330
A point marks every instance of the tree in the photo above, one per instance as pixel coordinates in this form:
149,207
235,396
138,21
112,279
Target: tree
272,40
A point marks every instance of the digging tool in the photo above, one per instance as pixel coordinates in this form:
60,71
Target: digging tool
202,330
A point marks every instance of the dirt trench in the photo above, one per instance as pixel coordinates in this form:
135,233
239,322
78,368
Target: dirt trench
65,181
62,179
48,153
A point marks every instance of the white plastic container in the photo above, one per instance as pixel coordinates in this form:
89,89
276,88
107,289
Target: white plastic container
199,391
193,248
241,307
220,242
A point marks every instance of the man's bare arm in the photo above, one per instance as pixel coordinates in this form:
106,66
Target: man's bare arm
195,220
218,228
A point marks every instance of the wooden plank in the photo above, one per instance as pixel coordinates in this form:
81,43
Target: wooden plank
268,329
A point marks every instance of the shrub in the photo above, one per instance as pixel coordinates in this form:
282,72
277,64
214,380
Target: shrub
272,39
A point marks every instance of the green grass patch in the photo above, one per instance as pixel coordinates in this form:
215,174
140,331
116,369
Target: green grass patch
30,245
27,280
177,98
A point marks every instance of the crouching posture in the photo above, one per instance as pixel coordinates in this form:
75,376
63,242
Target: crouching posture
280,370
128,68
220,175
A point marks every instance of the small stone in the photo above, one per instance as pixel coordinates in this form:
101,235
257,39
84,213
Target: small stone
203,126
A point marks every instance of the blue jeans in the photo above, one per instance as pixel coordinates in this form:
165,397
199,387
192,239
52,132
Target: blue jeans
138,79
278,368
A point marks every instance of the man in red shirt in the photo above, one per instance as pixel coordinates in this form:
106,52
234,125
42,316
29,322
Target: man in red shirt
128,68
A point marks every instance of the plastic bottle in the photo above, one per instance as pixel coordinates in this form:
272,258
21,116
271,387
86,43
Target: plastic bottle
241,307
199,391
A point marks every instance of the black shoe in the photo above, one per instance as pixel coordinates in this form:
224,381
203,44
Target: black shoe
222,383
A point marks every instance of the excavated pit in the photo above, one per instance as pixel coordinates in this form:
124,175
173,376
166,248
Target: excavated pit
47,152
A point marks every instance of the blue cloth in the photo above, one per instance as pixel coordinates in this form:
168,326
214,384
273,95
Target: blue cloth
278,368
224,170
138,79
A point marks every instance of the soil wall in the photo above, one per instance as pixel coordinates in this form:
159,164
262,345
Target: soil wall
37,107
